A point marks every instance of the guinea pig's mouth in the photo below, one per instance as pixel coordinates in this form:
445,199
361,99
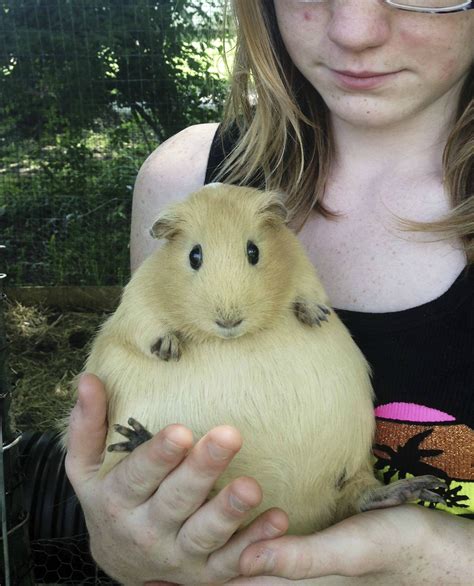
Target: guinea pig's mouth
229,328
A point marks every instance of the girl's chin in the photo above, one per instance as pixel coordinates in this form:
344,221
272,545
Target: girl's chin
363,112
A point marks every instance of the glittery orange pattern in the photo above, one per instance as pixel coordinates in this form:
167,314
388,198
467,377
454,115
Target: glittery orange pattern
455,441
404,449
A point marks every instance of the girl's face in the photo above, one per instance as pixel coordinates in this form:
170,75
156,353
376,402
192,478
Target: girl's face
375,65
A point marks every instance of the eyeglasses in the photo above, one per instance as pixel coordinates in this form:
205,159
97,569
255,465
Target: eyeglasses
427,6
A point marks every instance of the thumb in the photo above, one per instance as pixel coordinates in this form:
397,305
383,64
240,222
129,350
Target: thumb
353,547
87,430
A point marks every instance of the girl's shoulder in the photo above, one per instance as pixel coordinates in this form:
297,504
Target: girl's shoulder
179,164
174,169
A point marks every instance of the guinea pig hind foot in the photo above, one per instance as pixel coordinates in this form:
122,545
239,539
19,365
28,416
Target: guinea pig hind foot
310,312
136,435
403,491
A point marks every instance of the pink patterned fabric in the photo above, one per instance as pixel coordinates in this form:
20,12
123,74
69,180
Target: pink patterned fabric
411,412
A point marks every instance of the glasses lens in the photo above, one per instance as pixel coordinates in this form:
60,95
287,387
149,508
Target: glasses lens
431,3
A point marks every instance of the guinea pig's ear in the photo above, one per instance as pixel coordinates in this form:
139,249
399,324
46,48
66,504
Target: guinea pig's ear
273,209
166,225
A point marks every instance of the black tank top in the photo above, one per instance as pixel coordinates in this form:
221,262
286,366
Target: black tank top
423,375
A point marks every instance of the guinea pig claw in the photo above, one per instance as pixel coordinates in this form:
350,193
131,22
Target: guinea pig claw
309,313
122,430
136,436
119,447
431,497
404,491
167,347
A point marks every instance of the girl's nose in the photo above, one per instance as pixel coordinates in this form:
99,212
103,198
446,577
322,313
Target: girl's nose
357,25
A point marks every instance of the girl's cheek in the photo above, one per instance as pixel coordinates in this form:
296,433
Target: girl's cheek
448,68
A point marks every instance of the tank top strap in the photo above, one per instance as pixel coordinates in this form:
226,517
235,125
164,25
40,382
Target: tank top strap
222,146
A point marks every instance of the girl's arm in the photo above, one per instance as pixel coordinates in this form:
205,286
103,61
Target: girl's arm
402,545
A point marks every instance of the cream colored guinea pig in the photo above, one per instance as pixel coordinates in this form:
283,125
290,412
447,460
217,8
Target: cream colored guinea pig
227,323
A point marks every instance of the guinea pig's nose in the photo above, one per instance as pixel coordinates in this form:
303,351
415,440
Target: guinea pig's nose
229,323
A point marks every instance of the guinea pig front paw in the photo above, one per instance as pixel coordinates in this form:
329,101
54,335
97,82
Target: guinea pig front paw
168,347
136,435
309,312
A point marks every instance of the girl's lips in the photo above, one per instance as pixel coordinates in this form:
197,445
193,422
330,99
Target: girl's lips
362,80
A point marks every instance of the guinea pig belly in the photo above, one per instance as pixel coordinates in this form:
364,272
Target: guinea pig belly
300,397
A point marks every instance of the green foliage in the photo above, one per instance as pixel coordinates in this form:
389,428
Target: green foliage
73,62
88,88
73,203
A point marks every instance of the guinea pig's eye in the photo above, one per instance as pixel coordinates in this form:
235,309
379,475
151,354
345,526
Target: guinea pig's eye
252,252
195,257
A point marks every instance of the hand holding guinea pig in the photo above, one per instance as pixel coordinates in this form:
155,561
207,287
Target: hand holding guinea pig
149,518
228,323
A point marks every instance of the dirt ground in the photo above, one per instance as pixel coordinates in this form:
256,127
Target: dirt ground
47,348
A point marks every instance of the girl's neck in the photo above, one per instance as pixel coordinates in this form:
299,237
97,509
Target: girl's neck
410,148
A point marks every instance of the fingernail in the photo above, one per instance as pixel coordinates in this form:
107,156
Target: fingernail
80,399
218,452
270,530
264,562
238,505
172,448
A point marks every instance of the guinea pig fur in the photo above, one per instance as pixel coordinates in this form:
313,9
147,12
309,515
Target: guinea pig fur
227,323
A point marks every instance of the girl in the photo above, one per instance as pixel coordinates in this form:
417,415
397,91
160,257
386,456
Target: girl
363,115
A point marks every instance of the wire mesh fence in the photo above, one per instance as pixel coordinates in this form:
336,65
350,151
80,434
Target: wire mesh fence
59,542
88,88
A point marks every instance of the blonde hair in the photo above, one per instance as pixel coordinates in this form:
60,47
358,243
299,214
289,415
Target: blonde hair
284,136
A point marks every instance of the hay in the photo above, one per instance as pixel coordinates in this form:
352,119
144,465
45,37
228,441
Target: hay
47,348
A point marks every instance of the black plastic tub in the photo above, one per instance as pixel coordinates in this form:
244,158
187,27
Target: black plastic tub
58,533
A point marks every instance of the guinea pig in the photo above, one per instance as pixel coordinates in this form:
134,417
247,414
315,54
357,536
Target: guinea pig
228,323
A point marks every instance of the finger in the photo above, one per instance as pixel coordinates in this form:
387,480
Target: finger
342,550
215,522
189,485
271,524
289,557
137,477
87,430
